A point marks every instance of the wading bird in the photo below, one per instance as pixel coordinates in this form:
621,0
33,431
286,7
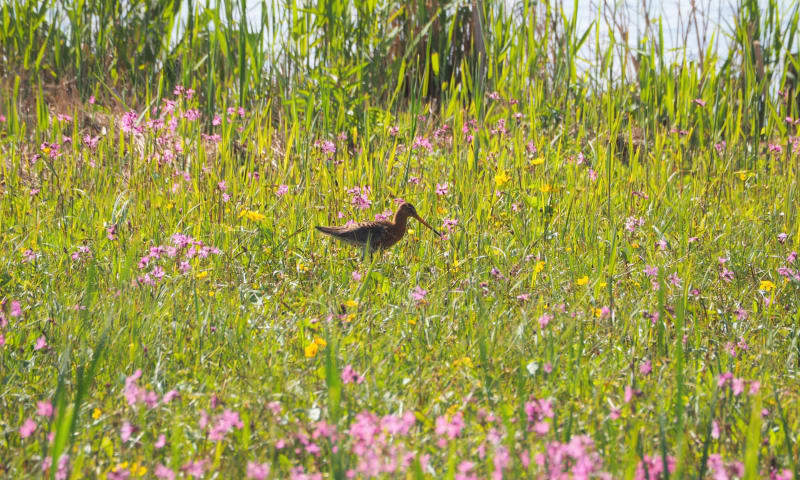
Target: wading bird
378,235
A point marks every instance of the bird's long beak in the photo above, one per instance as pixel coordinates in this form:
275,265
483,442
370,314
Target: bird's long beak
426,224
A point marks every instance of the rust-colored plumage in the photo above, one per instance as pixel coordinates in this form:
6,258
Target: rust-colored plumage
379,235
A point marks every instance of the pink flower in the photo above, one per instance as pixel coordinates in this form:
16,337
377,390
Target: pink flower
449,224
163,472
62,471
160,442
541,428
169,396
126,431
699,101
119,474
91,141
360,197
450,428
786,474
27,428
632,223
41,343
755,386
133,394
151,399
195,469
442,189
44,408
327,147
418,294
275,408
385,215
726,275
29,255
356,276
576,459
257,471
16,309
525,458
537,410
351,376
544,320
737,386
463,471
128,122
422,142
629,392
646,367
654,466
592,175
282,190
224,423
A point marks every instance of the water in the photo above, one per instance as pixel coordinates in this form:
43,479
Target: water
688,25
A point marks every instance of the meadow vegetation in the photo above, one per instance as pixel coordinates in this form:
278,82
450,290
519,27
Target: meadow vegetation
615,294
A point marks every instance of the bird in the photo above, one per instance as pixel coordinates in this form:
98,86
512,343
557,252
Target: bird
377,235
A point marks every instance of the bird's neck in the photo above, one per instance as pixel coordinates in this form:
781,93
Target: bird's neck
400,219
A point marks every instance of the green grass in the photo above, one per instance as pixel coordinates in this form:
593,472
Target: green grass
543,291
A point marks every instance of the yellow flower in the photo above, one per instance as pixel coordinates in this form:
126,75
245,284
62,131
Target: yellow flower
546,188
634,245
603,284
462,362
598,312
583,280
766,285
539,266
322,343
252,216
501,178
302,267
452,410
351,303
201,275
138,470
96,413
311,350
412,321
537,161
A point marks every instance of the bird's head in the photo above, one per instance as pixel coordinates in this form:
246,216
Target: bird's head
407,210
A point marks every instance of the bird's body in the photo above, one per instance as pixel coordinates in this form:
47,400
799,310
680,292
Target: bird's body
377,235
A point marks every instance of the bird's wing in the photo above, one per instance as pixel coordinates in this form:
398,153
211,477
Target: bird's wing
374,232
